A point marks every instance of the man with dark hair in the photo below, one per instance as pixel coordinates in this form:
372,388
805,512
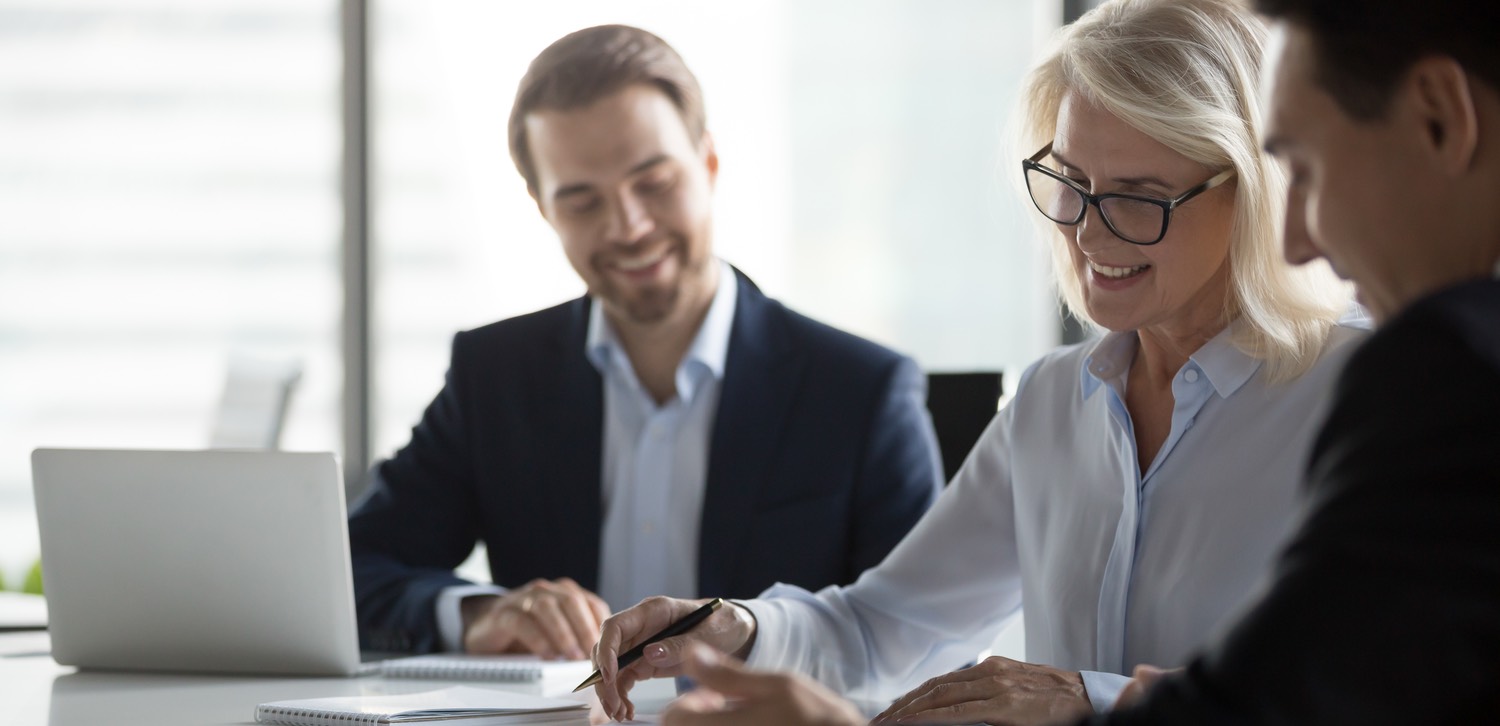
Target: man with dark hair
675,431
1385,606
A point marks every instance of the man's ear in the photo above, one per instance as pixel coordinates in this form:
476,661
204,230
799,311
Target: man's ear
1441,95
710,157
538,200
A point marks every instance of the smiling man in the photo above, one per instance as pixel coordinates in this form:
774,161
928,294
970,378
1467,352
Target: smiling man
673,432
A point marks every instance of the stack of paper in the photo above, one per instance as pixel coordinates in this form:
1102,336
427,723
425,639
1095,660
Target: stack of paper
469,706
455,666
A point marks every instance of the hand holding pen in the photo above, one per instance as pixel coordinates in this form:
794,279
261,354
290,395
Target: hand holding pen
727,629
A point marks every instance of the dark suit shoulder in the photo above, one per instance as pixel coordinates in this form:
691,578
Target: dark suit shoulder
1416,394
835,365
522,333
1462,321
547,321
830,343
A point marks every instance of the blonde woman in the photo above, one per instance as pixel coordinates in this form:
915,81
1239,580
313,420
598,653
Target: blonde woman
1132,493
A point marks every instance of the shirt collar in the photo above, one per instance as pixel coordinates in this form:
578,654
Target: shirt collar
1109,359
708,351
711,346
1221,361
1226,366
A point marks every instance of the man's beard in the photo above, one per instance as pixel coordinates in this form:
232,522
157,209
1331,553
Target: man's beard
653,305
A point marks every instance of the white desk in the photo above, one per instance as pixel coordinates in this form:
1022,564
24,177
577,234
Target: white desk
35,691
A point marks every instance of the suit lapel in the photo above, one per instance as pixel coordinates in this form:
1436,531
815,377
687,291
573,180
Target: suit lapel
761,375
572,476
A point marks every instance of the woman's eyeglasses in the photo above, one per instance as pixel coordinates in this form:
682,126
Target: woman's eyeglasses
1136,219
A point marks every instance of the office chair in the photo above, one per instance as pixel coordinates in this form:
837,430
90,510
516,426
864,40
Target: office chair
252,410
961,405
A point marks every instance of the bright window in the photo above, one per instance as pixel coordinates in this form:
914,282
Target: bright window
169,197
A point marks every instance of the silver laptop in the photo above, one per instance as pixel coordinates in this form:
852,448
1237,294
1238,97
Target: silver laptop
223,561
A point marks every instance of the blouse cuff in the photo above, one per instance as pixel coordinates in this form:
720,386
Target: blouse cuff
1103,688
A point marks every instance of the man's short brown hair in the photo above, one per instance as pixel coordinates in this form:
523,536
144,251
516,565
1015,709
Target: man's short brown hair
588,65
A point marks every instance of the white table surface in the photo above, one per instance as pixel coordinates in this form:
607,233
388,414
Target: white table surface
36,691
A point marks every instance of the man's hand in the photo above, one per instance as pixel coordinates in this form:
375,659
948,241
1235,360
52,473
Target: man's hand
553,619
1140,682
729,695
730,629
997,691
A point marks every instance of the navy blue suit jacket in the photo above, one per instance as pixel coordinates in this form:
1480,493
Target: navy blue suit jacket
821,458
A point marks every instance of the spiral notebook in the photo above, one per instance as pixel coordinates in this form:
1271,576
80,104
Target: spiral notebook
469,706
459,667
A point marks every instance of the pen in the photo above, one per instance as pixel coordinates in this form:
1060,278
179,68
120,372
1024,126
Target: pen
673,630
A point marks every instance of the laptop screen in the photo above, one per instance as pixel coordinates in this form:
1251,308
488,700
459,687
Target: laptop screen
226,561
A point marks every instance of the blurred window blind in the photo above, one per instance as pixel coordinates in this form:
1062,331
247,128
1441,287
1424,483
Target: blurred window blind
168,200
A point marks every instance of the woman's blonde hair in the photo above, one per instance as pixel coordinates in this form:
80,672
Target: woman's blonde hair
1185,72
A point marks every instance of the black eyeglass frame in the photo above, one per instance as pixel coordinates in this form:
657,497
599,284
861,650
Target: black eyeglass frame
1167,205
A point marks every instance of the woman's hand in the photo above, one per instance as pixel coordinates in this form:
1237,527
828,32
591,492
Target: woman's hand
997,691
731,629
729,695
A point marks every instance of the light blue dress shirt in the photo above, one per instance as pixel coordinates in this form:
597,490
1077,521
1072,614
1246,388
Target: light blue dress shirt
655,466
1051,512
656,459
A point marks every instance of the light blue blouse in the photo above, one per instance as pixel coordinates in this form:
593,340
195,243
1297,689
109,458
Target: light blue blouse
1052,514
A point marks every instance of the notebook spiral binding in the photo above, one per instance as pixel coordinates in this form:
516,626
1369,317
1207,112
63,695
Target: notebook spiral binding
304,717
464,671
